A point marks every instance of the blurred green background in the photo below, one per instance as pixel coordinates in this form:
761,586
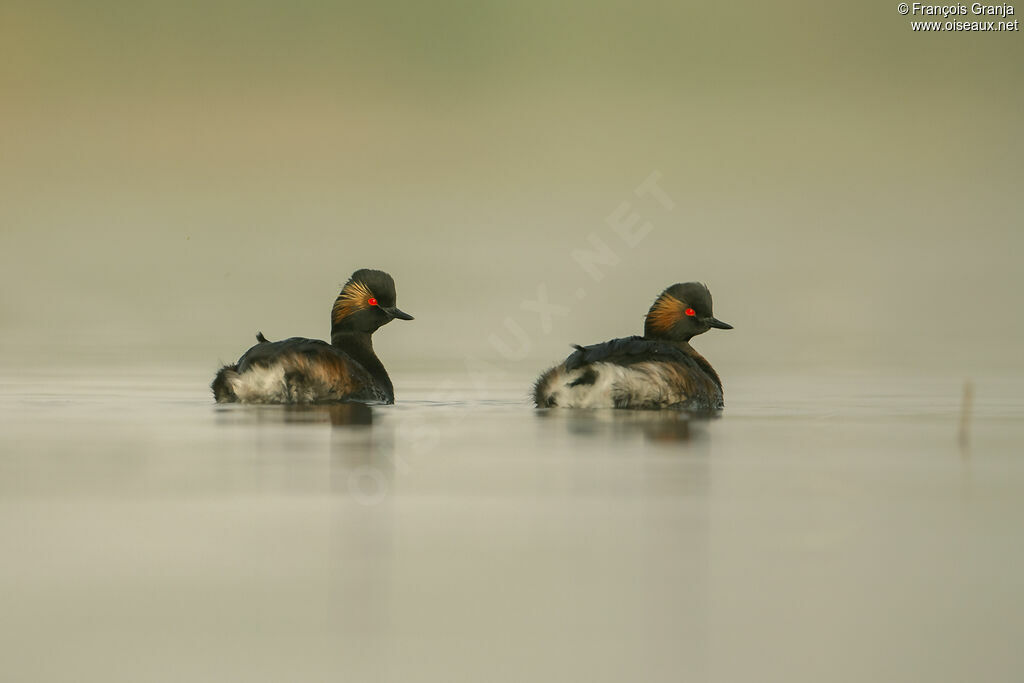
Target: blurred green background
177,176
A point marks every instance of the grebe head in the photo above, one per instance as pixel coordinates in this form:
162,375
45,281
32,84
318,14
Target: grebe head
681,312
366,302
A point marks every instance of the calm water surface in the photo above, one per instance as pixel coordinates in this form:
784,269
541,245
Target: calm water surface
825,529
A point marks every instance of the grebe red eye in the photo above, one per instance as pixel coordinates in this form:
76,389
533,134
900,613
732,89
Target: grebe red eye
690,312
371,301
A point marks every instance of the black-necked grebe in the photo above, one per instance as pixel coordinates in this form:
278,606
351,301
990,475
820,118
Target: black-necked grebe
300,370
658,370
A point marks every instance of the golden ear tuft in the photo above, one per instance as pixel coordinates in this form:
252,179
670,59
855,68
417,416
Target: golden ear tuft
665,313
351,300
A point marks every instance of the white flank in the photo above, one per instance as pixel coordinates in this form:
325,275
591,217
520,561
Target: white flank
641,384
261,385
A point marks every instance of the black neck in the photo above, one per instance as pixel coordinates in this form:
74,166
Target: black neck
685,347
359,346
702,362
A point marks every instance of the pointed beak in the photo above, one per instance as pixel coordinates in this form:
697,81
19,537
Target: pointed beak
715,322
394,312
